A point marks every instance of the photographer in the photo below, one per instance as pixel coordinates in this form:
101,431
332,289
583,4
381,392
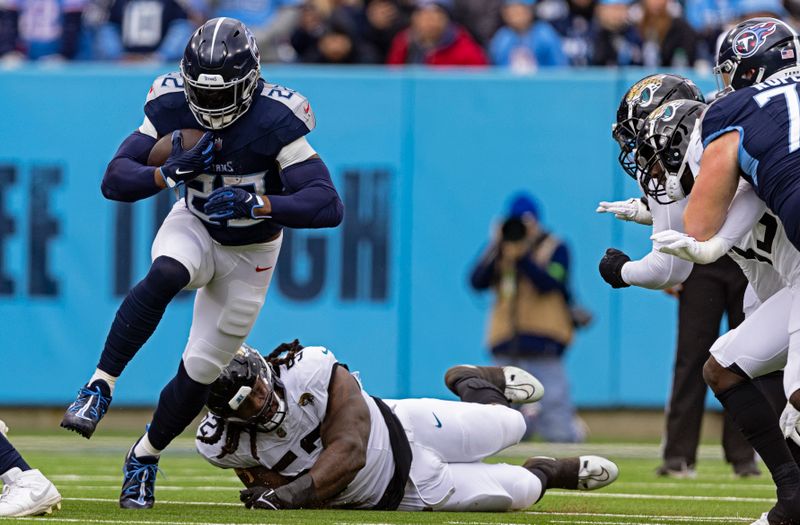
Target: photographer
531,323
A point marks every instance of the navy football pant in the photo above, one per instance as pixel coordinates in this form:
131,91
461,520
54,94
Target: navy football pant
9,457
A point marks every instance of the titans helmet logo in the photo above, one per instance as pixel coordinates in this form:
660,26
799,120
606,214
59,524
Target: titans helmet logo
747,42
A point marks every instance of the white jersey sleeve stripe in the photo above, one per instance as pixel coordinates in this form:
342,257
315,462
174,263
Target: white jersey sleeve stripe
147,128
298,151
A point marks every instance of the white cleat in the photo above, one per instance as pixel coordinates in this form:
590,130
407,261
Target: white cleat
3,427
762,520
521,386
27,493
596,472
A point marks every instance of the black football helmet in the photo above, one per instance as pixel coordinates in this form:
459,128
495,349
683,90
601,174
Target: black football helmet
220,69
661,147
238,380
754,50
642,98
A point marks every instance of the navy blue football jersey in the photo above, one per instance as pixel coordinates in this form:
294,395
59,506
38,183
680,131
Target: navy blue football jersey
247,149
767,117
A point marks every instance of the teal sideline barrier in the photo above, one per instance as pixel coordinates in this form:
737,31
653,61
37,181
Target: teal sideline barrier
424,161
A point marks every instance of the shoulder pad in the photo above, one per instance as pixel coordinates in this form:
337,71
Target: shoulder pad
295,102
164,85
166,105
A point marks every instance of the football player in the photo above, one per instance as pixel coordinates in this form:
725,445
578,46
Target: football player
251,174
300,432
26,492
668,147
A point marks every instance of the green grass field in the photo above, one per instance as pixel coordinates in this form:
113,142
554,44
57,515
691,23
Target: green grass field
192,492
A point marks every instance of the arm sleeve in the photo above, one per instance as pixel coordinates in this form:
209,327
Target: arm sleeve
313,201
745,211
554,277
658,270
127,177
483,273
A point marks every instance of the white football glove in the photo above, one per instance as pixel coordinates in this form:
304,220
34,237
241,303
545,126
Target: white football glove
686,247
630,210
789,423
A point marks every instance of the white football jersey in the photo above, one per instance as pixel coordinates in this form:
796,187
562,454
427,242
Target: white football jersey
293,448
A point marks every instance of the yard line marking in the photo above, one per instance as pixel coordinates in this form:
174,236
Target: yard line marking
614,495
160,487
723,519
51,518
165,502
76,477
609,522
690,484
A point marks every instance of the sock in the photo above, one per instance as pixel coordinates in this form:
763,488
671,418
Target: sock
109,379
771,385
140,313
542,478
181,401
479,390
9,457
145,448
756,419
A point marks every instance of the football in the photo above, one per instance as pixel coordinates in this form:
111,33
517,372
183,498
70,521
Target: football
161,150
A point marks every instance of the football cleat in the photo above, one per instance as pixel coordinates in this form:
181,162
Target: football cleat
139,481
763,520
676,468
581,473
746,469
518,386
88,409
27,493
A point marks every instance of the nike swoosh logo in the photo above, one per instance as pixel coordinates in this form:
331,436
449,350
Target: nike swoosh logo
260,269
40,496
438,423
182,172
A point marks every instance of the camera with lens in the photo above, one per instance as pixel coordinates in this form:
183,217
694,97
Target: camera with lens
513,230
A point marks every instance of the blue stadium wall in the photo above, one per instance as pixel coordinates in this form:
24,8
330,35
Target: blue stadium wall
425,163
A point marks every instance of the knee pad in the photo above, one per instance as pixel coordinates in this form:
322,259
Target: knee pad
204,361
241,309
167,275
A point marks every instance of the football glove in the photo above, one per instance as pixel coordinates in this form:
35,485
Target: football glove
230,202
789,423
630,210
611,267
182,166
261,498
298,494
681,245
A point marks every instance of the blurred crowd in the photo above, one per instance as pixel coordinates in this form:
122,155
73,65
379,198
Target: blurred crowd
523,35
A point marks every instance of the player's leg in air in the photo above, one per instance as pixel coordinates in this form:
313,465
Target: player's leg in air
26,492
452,438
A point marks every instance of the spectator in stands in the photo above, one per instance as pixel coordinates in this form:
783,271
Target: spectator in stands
651,33
524,44
482,18
745,9
271,21
434,39
709,19
331,40
380,22
531,323
144,30
40,29
574,21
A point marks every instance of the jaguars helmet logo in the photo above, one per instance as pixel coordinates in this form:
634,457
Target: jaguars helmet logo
747,42
643,92
666,111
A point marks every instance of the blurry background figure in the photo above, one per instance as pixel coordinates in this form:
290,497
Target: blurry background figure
272,22
379,22
329,39
40,29
434,39
709,19
531,324
650,33
144,30
524,44
575,22
481,18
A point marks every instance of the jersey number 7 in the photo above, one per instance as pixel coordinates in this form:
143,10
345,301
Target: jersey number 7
792,105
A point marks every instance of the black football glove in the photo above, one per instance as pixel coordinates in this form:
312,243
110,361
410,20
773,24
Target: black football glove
611,267
261,498
184,165
298,494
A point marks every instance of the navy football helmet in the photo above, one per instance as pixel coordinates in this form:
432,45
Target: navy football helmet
248,374
754,50
638,102
220,69
661,147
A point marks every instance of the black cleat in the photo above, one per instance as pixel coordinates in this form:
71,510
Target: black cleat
517,385
139,482
88,409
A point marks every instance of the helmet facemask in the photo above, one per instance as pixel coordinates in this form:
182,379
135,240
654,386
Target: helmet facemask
661,160
624,133
217,103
